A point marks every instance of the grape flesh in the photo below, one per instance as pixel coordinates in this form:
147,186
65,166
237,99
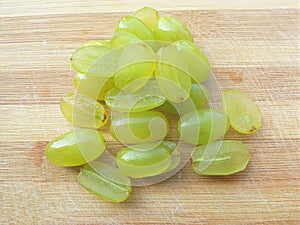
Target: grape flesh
123,38
220,158
148,16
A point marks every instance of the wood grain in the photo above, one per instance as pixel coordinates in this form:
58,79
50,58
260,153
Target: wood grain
252,46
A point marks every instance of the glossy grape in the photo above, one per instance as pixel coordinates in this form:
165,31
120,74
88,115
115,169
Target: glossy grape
175,155
97,42
123,38
148,16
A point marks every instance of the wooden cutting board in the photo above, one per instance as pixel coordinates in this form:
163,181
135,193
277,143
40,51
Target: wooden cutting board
252,46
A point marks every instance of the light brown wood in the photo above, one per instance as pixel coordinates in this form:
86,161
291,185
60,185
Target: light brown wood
252,46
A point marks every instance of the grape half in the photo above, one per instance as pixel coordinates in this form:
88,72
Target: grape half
148,16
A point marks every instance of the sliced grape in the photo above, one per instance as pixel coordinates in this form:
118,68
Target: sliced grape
175,155
172,74
220,158
170,29
139,127
95,60
243,113
105,182
93,86
148,97
198,65
97,42
138,163
76,147
202,126
148,16
123,38
83,111
135,67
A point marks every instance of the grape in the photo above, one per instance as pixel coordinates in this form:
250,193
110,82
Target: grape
243,113
105,181
148,16
197,63
135,67
83,111
148,97
93,86
175,155
220,158
139,127
123,38
170,29
198,98
76,147
138,163
202,126
95,60
172,74
97,42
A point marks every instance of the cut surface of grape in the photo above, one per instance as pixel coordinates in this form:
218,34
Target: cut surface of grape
135,67
123,38
172,74
138,163
148,16
170,29
220,158
148,97
76,147
105,182
243,113
202,126
139,127
175,155
83,111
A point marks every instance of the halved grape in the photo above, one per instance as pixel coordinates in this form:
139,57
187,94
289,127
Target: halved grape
76,147
148,16
97,42
243,113
135,67
123,38
170,29
105,182
139,127
175,155
220,158
93,86
83,111
202,126
137,162
148,97
172,74
95,60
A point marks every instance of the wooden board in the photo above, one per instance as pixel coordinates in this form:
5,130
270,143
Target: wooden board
252,46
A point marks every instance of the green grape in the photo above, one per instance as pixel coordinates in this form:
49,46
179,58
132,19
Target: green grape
202,126
243,113
123,38
148,16
138,161
76,147
135,26
172,74
220,158
170,29
175,155
93,86
198,65
83,111
97,42
148,97
105,182
95,60
199,97
139,127
135,67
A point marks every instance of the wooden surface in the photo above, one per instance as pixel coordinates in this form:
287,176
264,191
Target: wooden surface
252,46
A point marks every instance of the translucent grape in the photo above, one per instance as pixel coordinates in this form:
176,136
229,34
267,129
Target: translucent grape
175,155
105,181
220,158
83,111
243,113
138,163
172,74
135,67
123,38
97,42
148,97
139,127
202,126
170,29
76,147
148,16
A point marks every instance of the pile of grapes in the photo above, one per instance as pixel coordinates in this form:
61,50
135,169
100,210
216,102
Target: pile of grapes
150,71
